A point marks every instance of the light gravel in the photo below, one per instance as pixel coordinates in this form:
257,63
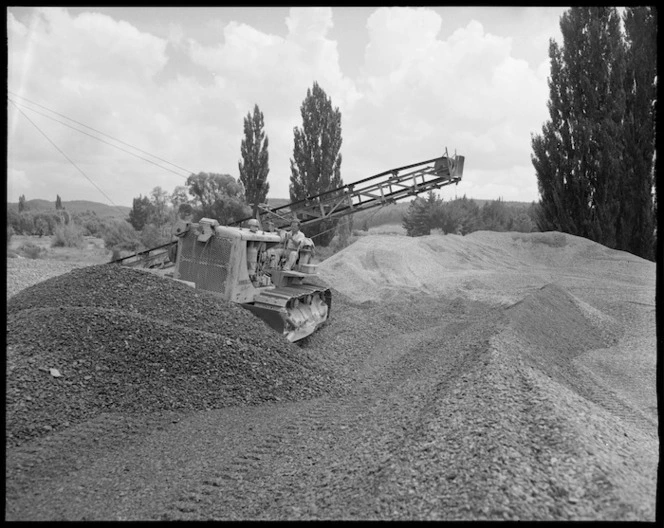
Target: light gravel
24,272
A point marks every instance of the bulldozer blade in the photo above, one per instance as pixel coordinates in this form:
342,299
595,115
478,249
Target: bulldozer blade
273,318
277,320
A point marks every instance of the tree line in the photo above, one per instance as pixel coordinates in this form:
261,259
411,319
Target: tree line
462,216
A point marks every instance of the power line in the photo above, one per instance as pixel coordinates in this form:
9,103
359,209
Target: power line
67,157
103,134
103,141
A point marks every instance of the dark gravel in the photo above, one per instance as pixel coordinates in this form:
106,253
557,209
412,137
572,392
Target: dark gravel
111,339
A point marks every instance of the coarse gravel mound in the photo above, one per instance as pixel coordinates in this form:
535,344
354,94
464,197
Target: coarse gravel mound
111,339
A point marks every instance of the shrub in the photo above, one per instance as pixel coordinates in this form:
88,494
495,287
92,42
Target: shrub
151,236
31,250
120,235
91,224
69,235
523,223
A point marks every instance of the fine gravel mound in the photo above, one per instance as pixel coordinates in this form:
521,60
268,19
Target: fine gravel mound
561,422
555,329
110,339
499,268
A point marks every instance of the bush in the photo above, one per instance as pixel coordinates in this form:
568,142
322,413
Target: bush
151,236
90,223
31,250
120,235
10,233
69,235
523,223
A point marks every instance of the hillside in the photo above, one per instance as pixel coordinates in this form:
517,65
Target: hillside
76,206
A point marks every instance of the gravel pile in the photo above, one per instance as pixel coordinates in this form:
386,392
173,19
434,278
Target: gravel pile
499,268
509,429
109,339
498,376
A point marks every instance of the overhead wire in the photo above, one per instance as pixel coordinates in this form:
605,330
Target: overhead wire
100,139
67,158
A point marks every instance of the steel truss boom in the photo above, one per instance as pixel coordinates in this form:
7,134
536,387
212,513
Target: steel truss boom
375,191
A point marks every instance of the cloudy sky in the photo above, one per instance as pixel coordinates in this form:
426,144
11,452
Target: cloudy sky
106,104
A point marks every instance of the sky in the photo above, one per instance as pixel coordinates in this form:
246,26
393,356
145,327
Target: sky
107,103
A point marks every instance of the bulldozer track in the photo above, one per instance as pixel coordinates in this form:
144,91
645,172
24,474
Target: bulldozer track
46,458
225,492
598,392
264,480
335,457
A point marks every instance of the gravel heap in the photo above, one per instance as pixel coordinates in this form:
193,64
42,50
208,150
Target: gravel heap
105,339
499,268
513,430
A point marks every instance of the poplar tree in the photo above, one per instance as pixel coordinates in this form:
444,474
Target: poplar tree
635,226
140,212
578,157
316,162
254,166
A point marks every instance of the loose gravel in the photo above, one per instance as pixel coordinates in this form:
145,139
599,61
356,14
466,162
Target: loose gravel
482,393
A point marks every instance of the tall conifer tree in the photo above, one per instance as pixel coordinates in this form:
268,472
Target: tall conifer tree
316,163
578,156
635,224
254,166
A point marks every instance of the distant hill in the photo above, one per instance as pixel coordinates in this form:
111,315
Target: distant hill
394,213
277,202
76,206
389,214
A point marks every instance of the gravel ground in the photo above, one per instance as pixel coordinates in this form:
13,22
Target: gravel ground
23,272
514,395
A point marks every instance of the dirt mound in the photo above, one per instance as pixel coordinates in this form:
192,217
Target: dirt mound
111,339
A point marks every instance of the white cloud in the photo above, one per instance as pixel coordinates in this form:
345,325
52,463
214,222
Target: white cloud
185,100
308,25
465,93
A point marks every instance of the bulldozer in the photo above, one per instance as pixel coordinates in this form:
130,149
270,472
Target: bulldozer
250,266
253,261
